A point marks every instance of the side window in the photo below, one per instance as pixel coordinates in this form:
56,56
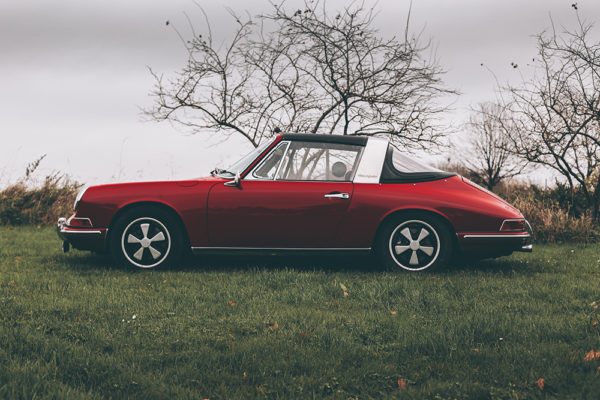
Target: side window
268,167
314,161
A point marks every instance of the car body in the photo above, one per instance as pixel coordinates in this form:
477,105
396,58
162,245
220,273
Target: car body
301,193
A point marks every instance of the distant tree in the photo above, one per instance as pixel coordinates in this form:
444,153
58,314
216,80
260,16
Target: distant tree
489,137
556,114
306,71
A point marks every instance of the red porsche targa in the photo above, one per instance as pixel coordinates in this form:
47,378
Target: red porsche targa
301,193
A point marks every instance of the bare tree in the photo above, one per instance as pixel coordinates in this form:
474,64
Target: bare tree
489,136
310,72
557,113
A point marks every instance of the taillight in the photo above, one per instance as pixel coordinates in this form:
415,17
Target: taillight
512,225
79,222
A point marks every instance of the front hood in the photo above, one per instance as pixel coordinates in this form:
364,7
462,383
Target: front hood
120,194
149,185
101,202
195,181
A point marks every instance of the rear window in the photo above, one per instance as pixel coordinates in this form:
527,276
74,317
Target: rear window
406,164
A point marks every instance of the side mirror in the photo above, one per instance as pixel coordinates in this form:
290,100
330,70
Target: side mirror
235,182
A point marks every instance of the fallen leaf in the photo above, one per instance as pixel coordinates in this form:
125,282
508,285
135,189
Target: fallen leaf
394,312
540,383
594,323
401,384
273,326
592,355
344,288
231,303
245,374
476,350
345,294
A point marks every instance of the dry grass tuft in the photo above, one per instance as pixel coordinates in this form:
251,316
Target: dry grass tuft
27,203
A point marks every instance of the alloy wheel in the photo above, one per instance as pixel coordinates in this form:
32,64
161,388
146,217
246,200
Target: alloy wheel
146,242
414,245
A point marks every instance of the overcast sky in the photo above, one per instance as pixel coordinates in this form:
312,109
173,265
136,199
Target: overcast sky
73,75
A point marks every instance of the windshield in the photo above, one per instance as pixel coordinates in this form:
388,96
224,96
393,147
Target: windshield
241,165
403,163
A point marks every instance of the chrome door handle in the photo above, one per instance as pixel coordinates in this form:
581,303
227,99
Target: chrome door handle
338,195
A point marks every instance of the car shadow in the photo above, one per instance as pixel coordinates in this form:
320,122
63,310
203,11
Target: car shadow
325,263
503,265
84,261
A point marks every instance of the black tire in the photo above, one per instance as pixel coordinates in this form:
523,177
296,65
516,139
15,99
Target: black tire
415,242
146,237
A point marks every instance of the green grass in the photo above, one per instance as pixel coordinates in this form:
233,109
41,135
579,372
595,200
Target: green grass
74,326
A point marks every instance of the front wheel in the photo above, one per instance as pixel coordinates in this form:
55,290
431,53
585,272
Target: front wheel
145,237
415,243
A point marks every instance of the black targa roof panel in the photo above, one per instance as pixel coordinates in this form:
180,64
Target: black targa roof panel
342,139
390,174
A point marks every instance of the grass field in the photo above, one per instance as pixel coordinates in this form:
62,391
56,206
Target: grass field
74,326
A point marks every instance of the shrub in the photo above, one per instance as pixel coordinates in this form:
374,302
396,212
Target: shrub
553,223
24,203
555,214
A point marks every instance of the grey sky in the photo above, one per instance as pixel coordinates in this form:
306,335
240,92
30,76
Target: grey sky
73,74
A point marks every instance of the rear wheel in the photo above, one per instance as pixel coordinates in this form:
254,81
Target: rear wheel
415,243
146,237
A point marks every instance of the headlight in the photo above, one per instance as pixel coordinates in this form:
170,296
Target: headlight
79,196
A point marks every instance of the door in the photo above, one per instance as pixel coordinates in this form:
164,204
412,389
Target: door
297,197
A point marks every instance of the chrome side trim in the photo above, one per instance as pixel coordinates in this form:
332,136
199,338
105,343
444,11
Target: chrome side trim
526,235
77,232
371,162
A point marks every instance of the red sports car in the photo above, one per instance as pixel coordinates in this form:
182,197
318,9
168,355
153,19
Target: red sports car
299,193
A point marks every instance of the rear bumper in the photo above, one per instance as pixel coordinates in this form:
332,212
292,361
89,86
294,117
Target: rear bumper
495,243
81,238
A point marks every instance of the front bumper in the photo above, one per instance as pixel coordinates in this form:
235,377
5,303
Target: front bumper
82,238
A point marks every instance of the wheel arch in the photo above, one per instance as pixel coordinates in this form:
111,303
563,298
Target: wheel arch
161,206
408,212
